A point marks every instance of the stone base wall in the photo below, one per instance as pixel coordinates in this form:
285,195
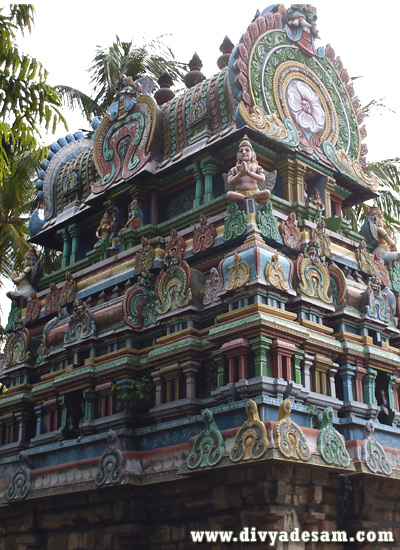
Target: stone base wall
278,496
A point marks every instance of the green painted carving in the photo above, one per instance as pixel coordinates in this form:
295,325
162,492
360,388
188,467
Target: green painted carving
251,441
331,444
280,50
394,274
173,288
267,223
373,454
109,153
14,317
140,303
209,447
235,222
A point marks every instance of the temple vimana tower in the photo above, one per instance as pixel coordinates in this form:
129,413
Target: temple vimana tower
219,349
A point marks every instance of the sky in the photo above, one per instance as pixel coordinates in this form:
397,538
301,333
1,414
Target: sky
66,34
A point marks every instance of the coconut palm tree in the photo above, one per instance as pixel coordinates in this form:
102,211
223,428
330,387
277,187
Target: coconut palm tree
16,199
121,58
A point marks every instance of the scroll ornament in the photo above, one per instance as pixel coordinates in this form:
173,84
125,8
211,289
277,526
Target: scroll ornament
209,447
289,437
251,441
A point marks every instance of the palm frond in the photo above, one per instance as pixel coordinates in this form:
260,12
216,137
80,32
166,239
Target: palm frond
73,98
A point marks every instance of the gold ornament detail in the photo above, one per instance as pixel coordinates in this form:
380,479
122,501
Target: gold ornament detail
268,124
365,260
289,437
353,166
275,274
251,441
144,258
319,236
238,273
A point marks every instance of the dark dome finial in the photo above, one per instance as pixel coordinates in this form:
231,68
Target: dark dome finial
164,93
194,76
225,48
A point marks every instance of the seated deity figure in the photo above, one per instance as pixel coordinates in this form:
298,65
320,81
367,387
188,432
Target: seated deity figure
376,232
247,179
26,279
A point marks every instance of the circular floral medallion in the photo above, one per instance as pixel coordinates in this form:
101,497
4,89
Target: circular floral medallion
305,106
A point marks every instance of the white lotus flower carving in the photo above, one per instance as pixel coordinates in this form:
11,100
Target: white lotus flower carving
305,106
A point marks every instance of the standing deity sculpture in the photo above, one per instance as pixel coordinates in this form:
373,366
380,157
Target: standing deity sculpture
247,179
105,229
27,279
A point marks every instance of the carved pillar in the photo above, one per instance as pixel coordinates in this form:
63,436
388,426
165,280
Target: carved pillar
64,235
347,373
75,232
332,373
190,369
391,383
282,353
219,363
307,364
298,358
368,383
396,394
199,192
329,188
153,208
360,373
292,173
64,411
261,345
209,169
89,395
322,366
38,414
103,391
236,351
22,419
158,382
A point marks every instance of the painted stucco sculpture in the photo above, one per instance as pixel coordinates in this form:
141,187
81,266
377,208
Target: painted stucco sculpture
251,441
247,179
28,278
111,465
21,481
331,444
289,437
209,447
373,454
